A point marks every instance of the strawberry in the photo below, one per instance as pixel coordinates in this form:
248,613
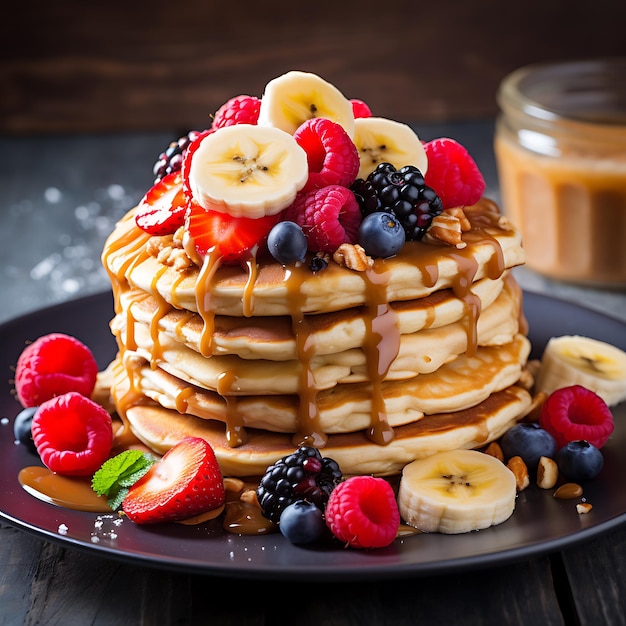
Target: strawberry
233,237
72,434
162,210
187,481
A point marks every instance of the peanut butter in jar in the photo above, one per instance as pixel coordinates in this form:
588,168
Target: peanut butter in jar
560,148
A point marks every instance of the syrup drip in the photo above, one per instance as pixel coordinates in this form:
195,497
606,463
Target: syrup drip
210,265
235,431
309,432
381,347
163,307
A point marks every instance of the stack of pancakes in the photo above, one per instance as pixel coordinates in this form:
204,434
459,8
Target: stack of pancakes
418,353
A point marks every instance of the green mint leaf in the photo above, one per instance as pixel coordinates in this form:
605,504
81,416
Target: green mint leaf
116,502
119,473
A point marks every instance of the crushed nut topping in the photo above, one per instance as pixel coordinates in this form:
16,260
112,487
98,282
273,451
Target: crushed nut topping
446,229
353,257
520,471
169,251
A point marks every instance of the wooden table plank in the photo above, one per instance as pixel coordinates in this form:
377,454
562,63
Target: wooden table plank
49,584
89,66
596,573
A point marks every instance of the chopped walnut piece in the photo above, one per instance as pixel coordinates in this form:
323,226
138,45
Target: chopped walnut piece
445,229
353,257
459,213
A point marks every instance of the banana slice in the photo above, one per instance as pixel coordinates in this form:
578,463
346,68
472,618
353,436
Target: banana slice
247,171
575,360
381,140
295,97
456,491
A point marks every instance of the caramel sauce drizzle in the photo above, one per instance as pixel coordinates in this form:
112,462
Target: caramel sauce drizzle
235,431
309,432
382,344
210,265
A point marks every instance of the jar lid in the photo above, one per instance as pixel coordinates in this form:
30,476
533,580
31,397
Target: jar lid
586,91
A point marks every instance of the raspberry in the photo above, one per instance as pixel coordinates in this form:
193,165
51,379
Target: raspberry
452,173
53,365
360,108
362,511
73,434
329,217
574,413
237,110
332,156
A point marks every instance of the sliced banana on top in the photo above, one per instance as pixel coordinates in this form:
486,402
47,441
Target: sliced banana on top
295,97
247,171
381,140
456,491
576,360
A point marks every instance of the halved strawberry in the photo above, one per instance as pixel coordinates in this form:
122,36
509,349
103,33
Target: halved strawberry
187,481
232,237
162,210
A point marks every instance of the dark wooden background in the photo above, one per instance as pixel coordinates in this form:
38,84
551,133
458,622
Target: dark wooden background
76,66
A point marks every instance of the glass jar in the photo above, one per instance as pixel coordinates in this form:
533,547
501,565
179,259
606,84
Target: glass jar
560,149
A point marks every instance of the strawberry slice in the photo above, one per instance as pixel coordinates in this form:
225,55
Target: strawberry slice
233,238
162,210
187,481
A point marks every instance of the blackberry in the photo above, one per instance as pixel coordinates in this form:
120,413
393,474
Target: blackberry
172,159
401,192
302,475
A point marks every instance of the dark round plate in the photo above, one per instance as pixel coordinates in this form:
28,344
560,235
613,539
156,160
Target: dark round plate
540,524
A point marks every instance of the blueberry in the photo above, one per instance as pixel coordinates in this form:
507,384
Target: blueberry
529,441
287,243
302,522
579,460
21,427
381,234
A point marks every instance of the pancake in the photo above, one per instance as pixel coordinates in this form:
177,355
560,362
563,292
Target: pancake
273,338
460,384
269,288
472,428
418,353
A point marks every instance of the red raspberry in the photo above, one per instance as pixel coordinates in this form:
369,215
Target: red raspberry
332,156
329,217
360,108
452,173
73,434
237,110
574,413
53,365
362,511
